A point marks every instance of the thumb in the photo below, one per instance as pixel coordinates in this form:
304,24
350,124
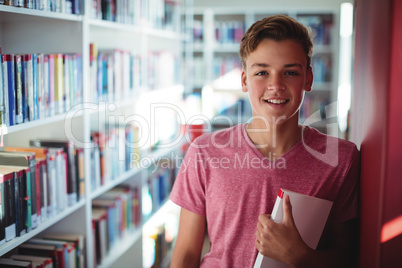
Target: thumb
287,211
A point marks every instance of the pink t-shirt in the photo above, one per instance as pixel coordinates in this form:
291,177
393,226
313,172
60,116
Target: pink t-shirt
225,178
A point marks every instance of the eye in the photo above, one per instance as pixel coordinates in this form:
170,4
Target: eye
291,73
261,73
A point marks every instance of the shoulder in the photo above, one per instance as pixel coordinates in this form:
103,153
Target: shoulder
343,150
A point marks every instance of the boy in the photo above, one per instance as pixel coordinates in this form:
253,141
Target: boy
229,179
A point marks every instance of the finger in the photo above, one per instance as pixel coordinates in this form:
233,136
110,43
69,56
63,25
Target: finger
287,210
265,219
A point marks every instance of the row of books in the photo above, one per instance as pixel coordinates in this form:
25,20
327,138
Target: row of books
53,250
114,215
161,14
229,32
35,86
37,183
321,25
198,31
223,65
313,103
114,152
159,185
163,69
62,6
322,68
115,74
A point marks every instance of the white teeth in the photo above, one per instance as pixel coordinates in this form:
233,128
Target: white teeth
276,101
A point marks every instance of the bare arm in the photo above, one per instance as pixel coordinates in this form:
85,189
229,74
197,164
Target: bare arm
190,239
283,242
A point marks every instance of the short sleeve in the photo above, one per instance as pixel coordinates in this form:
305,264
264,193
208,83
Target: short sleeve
189,188
346,205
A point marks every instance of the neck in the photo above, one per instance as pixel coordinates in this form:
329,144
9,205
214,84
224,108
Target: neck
274,139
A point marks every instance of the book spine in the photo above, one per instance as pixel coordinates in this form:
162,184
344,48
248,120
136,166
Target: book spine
19,204
72,178
9,208
11,89
5,90
51,85
2,212
28,199
25,116
61,181
35,85
71,79
18,89
33,191
51,186
37,190
2,107
58,84
41,86
30,84
44,189
67,88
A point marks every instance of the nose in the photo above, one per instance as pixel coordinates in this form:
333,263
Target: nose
275,82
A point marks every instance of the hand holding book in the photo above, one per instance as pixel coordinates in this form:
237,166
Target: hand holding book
280,240
292,231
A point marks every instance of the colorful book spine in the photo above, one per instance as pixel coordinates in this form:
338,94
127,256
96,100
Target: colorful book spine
25,112
66,75
11,88
18,89
2,103
30,86
52,85
58,83
35,86
5,89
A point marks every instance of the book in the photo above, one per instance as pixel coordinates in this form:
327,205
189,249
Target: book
41,177
310,216
51,83
14,210
26,160
50,251
18,89
99,219
59,83
2,104
36,261
2,212
9,263
80,174
30,86
77,239
112,218
35,86
66,250
68,148
4,91
8,179
9,63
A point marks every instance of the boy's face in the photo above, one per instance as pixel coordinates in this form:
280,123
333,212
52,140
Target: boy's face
276,77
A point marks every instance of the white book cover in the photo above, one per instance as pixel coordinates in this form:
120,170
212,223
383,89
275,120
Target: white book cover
310,216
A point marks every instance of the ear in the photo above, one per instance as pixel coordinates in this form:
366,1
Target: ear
244,81
309,79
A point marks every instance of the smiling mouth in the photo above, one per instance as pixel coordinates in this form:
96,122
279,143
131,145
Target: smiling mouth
273,101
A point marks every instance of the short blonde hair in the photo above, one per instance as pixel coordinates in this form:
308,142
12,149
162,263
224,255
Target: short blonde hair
277,27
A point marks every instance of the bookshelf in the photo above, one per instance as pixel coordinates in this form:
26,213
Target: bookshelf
217,68
148,38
